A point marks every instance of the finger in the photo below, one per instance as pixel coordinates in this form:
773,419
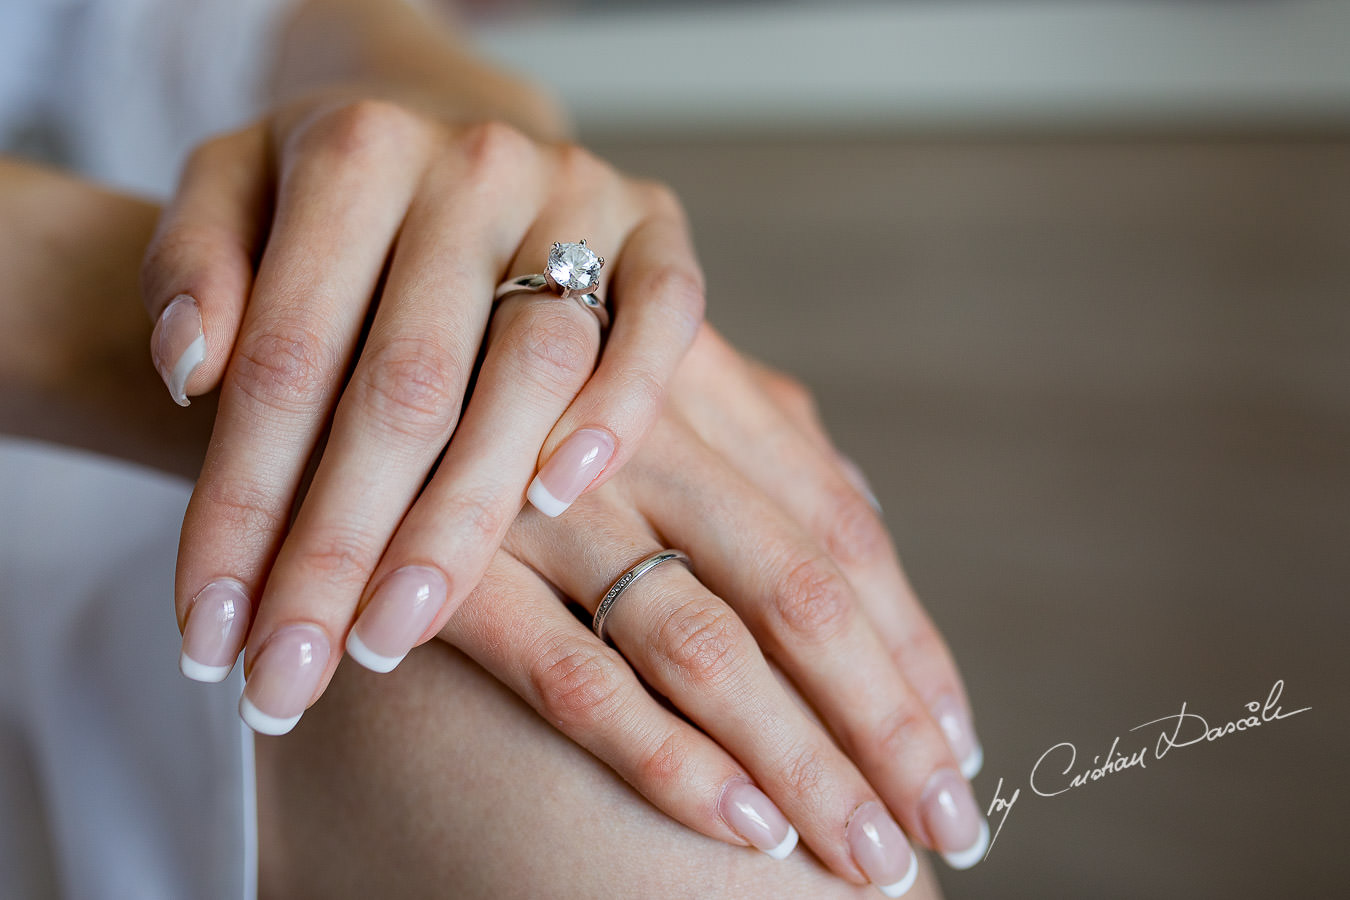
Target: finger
658,300
336,215
539,353
399,408
541,348
806,615
199,266
691,647
516,628
720,398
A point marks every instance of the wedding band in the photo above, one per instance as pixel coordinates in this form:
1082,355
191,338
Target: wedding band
625,581
572,272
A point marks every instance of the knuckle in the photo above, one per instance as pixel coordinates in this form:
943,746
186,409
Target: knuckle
899,733
814,602
802,772
409,386
850,529
662,199
556,344
184,246
242,508
576,686
284,367
644,392
703,640
660,768
577,165
480,514
682,292
788,391
492,147
358,131
920,642
338,556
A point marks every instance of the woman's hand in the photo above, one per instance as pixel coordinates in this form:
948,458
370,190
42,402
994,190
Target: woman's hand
794,593
367,216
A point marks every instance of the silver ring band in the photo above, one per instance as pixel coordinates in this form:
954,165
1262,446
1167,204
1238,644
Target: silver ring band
625,581
538,284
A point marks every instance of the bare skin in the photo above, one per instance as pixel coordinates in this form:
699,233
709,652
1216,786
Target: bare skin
437,781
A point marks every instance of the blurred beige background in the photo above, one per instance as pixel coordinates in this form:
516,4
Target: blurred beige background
1072,283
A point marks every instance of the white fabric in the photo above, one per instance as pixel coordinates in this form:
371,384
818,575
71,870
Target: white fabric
118,776
120,90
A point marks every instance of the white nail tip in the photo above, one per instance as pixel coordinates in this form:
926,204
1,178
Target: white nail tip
357,650
964,859
190,359
545,502
973,763
261,722
901,887
784,849
202,672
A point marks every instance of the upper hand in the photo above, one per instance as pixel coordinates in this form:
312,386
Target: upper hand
368,215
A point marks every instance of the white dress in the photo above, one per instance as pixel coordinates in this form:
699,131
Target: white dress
119,778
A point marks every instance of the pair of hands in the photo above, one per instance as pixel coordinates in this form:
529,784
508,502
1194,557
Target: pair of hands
816,690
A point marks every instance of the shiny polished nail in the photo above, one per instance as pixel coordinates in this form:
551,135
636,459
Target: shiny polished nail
954,823
956,725
568,472
284,678
178,345
881,851
753,816
402,608
217,624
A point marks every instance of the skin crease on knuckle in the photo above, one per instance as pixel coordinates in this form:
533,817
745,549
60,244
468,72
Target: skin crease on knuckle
495,151
704,642
576,687
850,529
409,386
813,601
284,368
555,346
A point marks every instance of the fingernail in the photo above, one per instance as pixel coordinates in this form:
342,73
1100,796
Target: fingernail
953,820
754,817
569,470
859,481
178,345
881,851
284,679
217,623
960,732
402,608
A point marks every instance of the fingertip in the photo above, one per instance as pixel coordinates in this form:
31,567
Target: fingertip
178,345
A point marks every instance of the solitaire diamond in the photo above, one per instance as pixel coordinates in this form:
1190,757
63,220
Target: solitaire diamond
574,268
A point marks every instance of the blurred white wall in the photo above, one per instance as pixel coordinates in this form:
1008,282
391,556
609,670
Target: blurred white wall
948,65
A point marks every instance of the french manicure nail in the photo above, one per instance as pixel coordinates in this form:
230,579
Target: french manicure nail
284,679
217,623
956,725
569,470
953,820
403,607
881,851
178,345
753,816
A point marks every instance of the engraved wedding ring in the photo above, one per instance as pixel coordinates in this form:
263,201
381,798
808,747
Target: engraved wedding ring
625,581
